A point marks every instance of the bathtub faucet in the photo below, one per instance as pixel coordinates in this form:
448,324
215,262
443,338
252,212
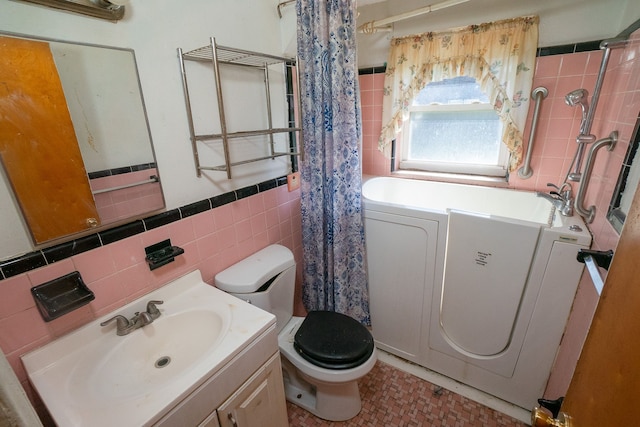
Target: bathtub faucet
561,198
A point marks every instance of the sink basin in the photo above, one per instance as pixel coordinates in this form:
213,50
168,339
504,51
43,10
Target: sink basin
94,377
150,357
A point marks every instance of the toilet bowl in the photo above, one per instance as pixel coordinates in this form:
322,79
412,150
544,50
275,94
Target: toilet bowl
323,355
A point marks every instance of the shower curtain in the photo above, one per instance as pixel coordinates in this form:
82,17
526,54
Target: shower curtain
334,273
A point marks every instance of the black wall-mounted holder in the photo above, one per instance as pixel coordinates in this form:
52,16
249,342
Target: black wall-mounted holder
602,258
61,296
161,253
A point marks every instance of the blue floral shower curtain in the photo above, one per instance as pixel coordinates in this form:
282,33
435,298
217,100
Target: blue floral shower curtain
334,274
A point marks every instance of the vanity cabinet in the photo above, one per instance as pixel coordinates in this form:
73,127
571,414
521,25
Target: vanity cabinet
247,392
257,402
211,421
208,353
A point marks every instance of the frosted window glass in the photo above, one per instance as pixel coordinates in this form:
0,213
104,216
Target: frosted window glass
461,137
452,123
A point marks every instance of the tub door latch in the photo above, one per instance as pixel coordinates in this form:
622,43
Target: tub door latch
602,258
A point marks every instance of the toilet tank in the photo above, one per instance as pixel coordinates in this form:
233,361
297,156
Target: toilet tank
265,279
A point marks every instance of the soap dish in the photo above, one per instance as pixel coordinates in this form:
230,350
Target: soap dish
61,296
161,254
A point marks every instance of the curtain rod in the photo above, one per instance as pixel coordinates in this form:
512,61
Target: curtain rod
382,24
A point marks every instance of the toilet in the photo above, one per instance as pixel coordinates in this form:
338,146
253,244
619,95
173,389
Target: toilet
323,354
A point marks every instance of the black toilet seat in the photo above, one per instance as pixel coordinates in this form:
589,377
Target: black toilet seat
333,340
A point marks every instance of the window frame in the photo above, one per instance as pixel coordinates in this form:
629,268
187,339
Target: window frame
492,171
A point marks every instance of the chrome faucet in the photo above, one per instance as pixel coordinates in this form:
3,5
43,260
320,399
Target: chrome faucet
125,326
560,198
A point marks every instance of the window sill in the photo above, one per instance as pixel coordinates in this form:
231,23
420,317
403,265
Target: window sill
452,178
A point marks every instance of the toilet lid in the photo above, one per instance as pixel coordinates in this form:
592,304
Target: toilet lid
333,340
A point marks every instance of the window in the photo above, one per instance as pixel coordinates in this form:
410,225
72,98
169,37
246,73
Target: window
453,128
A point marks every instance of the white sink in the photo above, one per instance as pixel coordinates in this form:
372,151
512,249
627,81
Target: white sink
94,377
152,356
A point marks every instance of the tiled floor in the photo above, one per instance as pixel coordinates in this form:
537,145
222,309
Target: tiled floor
394,398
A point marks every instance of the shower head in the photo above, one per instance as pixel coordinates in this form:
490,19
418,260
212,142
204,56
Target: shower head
579,97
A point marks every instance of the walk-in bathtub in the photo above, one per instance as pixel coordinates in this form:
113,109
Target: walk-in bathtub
473,282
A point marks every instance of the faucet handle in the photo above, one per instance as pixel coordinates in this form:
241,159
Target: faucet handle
122,322
151,307
551,184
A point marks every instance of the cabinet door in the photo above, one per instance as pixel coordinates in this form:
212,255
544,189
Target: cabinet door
260,402
211,420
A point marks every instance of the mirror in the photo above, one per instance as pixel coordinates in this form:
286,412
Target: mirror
92,150
627,183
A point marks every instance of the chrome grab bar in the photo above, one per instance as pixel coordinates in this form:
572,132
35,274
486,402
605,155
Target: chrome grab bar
589,213
151,180
539,93
606,46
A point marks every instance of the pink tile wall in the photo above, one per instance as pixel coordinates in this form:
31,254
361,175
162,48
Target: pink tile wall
371,91
553,151
118,273
558,124
127,202
617,110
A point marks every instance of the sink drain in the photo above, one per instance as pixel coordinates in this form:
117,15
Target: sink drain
162,362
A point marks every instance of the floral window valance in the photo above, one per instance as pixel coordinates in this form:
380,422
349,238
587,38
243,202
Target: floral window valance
499,55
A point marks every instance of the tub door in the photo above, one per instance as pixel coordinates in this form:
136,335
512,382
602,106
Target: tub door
401,257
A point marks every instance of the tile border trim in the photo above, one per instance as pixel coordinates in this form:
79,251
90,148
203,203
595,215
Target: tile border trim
46,256
122,170
542,51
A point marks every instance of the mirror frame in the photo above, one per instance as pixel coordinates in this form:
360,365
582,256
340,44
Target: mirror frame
615,214
116,223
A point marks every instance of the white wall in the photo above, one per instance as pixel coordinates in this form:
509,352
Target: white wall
155,29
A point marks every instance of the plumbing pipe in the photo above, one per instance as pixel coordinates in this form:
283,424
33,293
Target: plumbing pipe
589,213
539,93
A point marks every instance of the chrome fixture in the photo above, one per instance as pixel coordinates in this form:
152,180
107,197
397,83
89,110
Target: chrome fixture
152,179
125,326
579,97
104,9
574,98
589,213
560,198
538,94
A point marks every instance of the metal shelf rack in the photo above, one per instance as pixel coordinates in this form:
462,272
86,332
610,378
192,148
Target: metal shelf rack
223,55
